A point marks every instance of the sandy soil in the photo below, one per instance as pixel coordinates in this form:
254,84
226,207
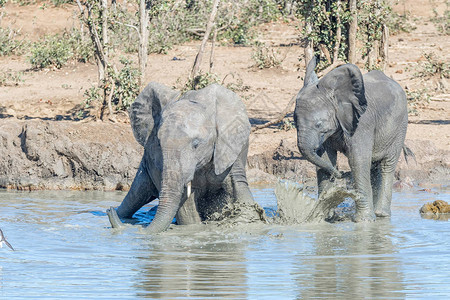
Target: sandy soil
50,93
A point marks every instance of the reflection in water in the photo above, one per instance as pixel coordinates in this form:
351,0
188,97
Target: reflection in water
65,249
357,260
197,267
439,217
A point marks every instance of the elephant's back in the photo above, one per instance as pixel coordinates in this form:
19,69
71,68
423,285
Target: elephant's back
387,108
384,91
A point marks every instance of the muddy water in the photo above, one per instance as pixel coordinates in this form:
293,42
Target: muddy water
65,249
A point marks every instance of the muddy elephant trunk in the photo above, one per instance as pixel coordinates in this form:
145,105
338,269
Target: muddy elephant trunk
169,203
308,148
173,186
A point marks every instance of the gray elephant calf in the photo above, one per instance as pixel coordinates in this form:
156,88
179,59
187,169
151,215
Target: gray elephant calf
364,117
195,155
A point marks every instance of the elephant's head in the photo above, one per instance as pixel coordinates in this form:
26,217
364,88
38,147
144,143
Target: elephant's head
208,126
326,106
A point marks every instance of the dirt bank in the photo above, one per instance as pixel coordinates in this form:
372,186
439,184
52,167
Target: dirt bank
38,154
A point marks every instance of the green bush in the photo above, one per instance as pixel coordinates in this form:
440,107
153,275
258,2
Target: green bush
82,47
121,36
52,51
61,2
198,82
56,50
323,16
175,22
265,57
10,78
127,85
400,23
238,19
92,94
416,98
9,45
23,2
433,66
442,23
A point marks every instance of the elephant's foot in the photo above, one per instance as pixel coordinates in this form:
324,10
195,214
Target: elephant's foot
364,216
114,218
383,212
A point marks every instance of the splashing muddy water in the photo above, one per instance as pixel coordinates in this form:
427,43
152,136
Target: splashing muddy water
297,206
66,249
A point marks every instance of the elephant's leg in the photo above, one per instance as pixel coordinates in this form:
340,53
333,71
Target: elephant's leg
375,179
241,191
323,177
383,202
188,212
361,169
142,191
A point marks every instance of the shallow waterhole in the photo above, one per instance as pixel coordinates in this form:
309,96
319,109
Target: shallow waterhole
66,249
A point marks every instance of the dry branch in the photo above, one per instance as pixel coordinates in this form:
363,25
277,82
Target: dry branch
279,118
211,57
199,57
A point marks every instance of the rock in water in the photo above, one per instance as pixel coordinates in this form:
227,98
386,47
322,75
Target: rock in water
439,209
295,206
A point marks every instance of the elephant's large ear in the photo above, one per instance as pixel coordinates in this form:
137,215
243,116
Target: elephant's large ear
145,111
346,87
233,128
310,75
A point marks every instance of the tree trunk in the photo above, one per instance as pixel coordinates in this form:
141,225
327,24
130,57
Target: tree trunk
309,47
384,47
199,57
352,32
325,52
211,57
104,14
143,39
99,50
372,56
338,32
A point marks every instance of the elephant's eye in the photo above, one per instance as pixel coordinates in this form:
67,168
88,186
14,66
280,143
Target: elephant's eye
319,125
195,143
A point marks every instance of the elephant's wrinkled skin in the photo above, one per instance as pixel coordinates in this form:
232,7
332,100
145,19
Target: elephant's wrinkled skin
364,117
195,154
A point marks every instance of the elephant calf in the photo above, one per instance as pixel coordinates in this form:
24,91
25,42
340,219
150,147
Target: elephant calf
195,154
364,117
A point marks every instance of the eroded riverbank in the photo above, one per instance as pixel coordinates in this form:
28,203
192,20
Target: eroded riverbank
58,155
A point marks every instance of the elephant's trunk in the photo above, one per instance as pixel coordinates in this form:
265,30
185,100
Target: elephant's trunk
173,184
308,149
169,203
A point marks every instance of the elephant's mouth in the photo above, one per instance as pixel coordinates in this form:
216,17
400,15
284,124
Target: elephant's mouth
319,150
